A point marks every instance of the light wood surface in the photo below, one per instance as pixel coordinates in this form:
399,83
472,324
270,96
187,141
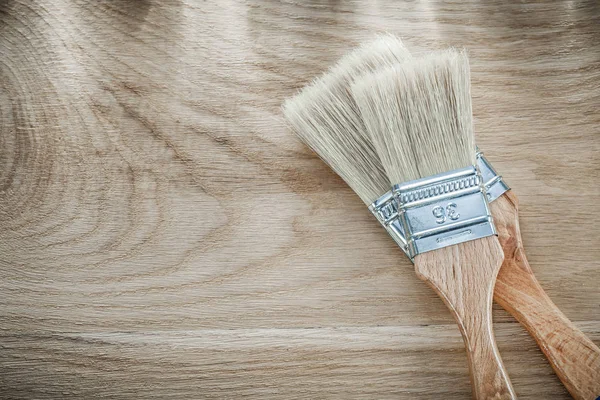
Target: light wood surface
574,357
162,234
464,276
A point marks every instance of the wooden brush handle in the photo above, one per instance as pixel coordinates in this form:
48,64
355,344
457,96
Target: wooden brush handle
574,357
463,276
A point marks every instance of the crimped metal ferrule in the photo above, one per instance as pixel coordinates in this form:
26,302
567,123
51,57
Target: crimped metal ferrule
385,209
494,184
443,210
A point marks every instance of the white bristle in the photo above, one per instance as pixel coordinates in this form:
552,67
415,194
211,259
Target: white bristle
419,115
325,116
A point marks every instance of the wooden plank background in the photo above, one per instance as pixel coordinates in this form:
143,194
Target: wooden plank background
162,234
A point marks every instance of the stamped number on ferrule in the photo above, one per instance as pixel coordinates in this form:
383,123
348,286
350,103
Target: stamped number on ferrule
443,214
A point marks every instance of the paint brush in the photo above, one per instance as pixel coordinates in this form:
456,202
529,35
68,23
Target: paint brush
419,117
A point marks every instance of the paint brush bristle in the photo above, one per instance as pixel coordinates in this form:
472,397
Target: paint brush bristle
325,116
419,115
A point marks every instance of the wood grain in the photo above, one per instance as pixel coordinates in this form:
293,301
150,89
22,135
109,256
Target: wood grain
464,276
574,357
162,234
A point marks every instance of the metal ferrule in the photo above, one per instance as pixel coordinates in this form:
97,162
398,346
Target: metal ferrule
442,210
494,184
385,209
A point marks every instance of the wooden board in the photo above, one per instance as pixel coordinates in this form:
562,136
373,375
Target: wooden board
162,234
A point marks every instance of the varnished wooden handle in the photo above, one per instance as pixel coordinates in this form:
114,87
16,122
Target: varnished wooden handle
574,357
463,276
